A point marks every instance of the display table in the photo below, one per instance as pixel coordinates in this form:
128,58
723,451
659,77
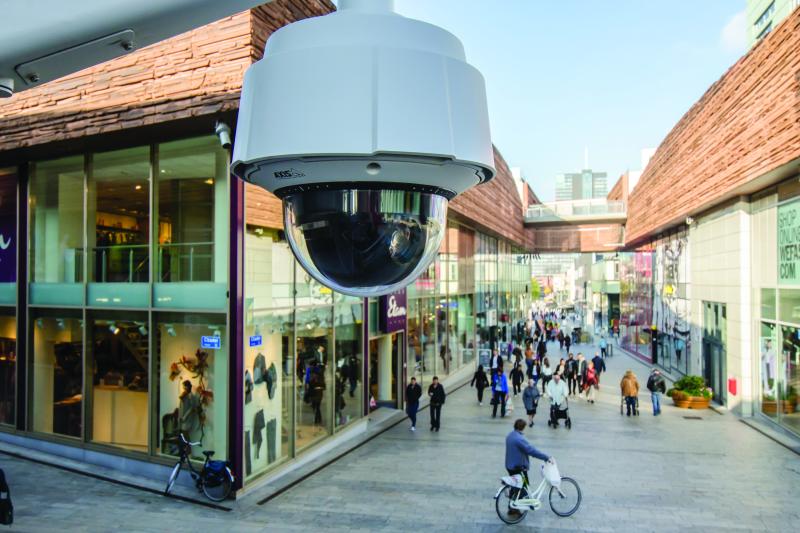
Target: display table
119,416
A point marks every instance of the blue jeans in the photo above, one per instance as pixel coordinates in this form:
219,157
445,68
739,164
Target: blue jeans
656,397
411,411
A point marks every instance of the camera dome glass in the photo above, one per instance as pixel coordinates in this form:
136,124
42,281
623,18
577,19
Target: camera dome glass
364,242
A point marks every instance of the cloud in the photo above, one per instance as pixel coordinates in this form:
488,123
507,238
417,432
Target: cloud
734,35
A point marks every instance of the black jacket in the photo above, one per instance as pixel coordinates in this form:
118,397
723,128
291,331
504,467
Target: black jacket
656,383
479,380
413,393
437,394
599,364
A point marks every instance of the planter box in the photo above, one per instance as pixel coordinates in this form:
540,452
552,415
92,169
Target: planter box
769,407
692,402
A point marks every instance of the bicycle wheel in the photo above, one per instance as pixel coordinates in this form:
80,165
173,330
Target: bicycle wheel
566,499
172,477
216,485
503,505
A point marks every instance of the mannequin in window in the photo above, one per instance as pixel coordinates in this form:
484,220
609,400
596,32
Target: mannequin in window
189,413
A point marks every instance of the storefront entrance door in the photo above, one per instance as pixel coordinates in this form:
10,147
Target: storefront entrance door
384,373
714,352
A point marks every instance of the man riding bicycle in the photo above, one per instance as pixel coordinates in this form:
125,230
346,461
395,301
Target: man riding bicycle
517,451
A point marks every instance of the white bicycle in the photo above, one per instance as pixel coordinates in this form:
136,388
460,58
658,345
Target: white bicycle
514,499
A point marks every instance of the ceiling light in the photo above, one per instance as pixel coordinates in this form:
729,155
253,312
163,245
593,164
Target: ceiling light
209,181
143,330
112,327
138,187
171,330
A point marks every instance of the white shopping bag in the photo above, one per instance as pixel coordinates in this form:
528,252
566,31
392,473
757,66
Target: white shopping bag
510,404
551,474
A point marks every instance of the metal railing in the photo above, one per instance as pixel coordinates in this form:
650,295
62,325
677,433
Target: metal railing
598,207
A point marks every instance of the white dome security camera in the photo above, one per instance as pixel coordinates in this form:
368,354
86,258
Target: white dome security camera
365,123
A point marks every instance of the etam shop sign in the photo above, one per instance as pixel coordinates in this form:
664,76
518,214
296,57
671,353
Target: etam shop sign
392,311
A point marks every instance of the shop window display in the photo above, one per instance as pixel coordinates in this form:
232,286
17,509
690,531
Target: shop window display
788,372
8,364
56,231
421,339
268,392
120,368
57,372
769,369
192,362
348,393
8,236
314,375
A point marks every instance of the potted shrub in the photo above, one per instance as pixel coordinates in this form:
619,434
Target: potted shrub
691,392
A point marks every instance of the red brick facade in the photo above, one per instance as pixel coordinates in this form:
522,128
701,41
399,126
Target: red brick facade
746,125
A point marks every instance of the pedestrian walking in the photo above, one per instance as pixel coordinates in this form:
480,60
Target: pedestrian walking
480,382
499,393
517,378
590,382
603,346
437,396
571,374
560,340
546,374
541,349
413,394
657,386
530,398
496,361
561,368
581,371
629,386
567,341
529,357
599,365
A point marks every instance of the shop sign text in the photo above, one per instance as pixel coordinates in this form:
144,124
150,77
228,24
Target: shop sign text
789,244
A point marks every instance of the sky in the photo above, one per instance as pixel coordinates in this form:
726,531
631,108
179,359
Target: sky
613,76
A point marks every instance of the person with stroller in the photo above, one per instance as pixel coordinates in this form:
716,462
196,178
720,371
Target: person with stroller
530,397
629,386
480,382
557,391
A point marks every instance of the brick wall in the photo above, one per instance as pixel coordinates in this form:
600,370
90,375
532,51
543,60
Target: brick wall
193,74
745,125
618,191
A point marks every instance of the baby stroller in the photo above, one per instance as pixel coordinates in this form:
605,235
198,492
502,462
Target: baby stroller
560,412
622,406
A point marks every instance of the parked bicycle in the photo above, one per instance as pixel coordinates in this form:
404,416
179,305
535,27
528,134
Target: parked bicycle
214,479
514,499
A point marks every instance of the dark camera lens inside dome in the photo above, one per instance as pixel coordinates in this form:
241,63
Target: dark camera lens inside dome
355,239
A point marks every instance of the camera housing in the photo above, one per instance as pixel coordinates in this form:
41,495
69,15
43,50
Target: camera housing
365,123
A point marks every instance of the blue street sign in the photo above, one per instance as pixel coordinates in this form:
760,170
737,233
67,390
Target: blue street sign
212,343
255,340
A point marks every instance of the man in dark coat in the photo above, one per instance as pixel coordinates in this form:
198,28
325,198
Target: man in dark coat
437,396
413,394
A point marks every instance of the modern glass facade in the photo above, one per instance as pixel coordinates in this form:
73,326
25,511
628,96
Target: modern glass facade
128,328
127,315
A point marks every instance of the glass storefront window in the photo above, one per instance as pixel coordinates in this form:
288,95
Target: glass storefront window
269,269
8,236
56,231
788,373
118,215
268,390
768,303
349,384
769,369
120,368
192,229
789,305
57,371
192,375
309,291
8,364
314,375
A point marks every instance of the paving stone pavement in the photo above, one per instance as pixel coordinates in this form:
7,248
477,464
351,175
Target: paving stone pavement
637,474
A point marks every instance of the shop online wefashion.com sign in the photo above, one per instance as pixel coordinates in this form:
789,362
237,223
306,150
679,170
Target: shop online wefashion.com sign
789,244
